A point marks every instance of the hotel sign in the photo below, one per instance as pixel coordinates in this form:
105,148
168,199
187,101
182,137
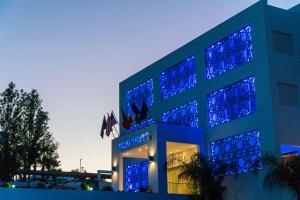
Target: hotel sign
134,141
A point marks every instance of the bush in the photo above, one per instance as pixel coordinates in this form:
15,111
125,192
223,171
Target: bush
106,188
41,186
6,185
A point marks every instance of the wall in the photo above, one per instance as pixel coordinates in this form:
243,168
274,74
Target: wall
285,68
37,194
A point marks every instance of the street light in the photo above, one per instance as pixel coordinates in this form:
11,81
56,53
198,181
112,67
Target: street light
80,165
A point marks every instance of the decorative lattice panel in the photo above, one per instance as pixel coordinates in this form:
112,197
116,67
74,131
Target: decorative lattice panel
236,154
178,78
229,53
232,102
137,176
186,115
138,94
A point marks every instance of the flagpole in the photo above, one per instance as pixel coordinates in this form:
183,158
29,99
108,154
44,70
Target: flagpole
116,130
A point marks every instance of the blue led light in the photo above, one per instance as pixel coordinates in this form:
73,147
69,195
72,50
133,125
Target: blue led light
186,115
239,153
178,78
137,176
138,94
133,141
229,53
232,102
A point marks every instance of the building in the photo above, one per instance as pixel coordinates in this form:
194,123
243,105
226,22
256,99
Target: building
232,94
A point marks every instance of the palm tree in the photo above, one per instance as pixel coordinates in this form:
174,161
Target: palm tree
197,172
282,172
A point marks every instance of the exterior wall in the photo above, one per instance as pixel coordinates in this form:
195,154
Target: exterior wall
267,69
285,68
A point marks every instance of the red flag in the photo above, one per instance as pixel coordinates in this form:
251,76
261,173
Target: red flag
126,122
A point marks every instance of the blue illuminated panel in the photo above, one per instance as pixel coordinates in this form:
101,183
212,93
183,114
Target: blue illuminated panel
236,154
186,115
229,53
232,102
134,141
144,123
138,94
137,176
178,78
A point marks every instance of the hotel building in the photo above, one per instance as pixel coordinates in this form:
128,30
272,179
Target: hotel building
230,94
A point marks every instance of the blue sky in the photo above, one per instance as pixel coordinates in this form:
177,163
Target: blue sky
75,53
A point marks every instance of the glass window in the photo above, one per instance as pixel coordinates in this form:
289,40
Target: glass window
186,115
137,176
236,154
229,53
232,102
178,78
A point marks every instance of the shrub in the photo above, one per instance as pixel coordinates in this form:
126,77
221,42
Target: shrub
106,188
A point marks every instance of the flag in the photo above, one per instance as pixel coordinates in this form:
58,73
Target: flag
144,111
108,126
137,113
126,122
113,119
103,127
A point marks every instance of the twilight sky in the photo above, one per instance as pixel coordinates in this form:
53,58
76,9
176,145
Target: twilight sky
75,52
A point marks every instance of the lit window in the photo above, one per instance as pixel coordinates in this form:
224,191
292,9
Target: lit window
178,78
229,53
138,94
186,115
137,176
232,102
236,154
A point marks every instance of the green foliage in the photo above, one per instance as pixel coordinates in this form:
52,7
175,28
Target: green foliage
106,188
6,185
28,142
86,187
197,172
282,173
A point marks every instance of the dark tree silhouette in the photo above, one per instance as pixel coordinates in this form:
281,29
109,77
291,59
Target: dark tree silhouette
282,172
29,143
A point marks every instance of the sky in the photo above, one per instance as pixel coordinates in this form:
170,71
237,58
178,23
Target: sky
75,53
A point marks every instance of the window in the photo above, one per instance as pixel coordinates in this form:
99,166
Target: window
186,115
178,78
137,95
232,102
229,53
182,152
236,154
283,42
288,94
137,176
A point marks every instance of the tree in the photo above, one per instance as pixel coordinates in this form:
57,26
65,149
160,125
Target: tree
282,172
10,123
198,172
29,142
